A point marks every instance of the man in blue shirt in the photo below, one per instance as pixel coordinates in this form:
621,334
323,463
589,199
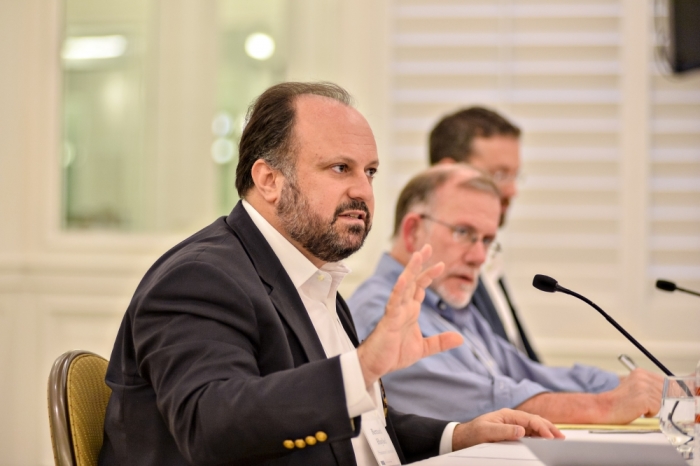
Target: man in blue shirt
487,140
455,209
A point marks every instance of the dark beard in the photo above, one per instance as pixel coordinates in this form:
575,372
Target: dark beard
315,234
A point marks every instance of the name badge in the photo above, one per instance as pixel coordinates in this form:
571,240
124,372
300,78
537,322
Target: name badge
379,441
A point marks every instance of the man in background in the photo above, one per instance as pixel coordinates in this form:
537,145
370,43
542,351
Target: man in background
455,209
486,140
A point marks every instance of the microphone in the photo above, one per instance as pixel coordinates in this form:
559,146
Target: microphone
670,286
550,285
545,283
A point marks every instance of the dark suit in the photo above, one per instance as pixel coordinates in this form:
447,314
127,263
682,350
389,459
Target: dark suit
484,304
217,362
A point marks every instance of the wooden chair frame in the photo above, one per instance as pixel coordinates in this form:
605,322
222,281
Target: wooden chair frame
59,414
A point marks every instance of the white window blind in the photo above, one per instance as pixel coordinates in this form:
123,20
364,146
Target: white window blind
565,72
674,189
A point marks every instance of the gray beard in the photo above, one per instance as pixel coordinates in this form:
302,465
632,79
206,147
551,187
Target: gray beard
452,301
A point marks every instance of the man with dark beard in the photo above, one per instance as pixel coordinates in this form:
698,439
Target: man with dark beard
236,347
320,239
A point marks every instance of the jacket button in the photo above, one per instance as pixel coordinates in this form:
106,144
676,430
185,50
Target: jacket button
288,444
321,436
299,443
310,440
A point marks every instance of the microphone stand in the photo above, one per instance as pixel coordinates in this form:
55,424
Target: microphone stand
550,285
618,327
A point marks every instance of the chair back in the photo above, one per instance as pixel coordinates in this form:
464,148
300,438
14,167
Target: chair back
78,399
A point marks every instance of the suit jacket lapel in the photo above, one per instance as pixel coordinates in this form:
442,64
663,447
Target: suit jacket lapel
282,292
346,319
484,305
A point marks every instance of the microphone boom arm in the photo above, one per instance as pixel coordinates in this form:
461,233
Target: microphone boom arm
685,290
618,327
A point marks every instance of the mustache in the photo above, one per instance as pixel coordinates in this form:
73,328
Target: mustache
352,205
463,271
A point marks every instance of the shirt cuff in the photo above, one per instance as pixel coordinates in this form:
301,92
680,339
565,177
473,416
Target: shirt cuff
446,439
358,399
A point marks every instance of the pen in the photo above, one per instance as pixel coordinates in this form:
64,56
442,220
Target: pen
627,362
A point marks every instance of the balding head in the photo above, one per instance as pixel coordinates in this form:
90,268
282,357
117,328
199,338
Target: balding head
420,190
455,209
269,134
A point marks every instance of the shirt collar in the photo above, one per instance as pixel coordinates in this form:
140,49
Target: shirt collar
298,267
441,307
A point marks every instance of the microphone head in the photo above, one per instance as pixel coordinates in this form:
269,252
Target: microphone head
544,283
665,285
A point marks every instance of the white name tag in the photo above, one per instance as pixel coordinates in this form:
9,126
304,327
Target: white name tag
379,441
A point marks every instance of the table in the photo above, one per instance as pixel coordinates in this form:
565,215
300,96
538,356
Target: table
516,453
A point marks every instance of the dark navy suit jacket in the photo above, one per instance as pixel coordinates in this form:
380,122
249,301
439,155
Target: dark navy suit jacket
217,363
484,304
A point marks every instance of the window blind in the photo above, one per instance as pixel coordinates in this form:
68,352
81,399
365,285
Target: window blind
556,69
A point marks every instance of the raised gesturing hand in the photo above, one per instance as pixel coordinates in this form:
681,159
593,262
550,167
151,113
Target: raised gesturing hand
397,341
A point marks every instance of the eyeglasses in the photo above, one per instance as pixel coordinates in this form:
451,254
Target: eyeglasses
503,177
462,234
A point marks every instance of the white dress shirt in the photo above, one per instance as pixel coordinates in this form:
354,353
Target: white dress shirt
317,289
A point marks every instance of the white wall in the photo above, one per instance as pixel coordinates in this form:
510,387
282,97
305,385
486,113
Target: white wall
66,290
58,291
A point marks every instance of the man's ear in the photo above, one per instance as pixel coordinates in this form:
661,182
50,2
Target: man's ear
268,181
411,232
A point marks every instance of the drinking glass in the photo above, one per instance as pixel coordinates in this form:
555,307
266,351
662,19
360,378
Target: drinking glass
677,415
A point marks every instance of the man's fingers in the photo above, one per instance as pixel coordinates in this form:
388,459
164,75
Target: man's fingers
491,432
544,429
516,433
647,387
396,296
414,266
654,406
415,263
411,274
441,342
425,252
502,425
534,425
408,293
412,281
425,279
428,275
399,323
485,429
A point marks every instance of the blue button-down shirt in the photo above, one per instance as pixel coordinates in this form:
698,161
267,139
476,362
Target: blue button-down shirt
484,374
